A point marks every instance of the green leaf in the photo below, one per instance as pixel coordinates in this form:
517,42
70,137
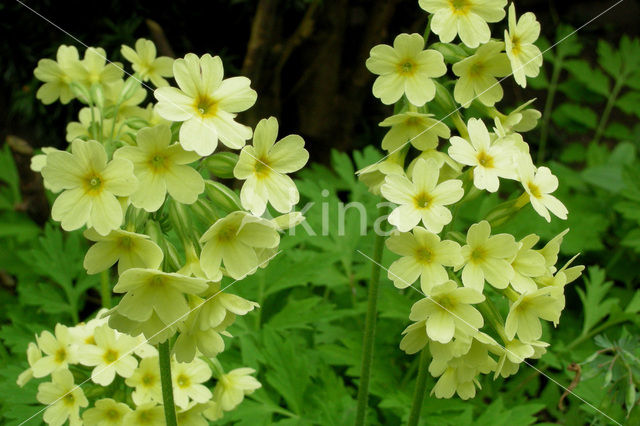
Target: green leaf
610,59
594,79
632,240
594,298
629,103
575,117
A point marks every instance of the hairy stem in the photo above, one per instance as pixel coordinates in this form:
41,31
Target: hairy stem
418,393
167,385
369,332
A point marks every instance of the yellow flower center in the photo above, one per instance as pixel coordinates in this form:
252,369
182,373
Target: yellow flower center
460,7
69,400
445,303
478,255
485,160
157,281
424,255
90,340
407,67
183,381
125,242
112,414
110,356
145,417
148,380
158,163
534,190
476,70
61,355
516,48
228,233
205,106
262,168
413,122
93,184
423,201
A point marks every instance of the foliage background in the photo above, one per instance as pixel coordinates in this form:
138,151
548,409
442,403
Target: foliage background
306,60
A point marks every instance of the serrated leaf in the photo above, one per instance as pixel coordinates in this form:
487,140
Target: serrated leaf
594,298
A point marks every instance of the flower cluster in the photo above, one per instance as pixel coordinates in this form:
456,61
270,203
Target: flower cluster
122,376
129,172
486,295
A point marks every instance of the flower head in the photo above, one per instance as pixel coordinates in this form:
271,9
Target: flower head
90,186
106,412
55,75
93,68
525,57
478,75
146,381
58,353
206,104
264,166
187,382
421,130
525,313
146,414
161,167
467,18
422,198
405,69
63,399
144,62
527,264
233,386
539,184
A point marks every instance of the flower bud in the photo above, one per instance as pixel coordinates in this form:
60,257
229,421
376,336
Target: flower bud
222,164
222,196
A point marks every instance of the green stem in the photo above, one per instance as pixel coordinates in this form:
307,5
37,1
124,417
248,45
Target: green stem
369,332
167,384
418,393
607,110
553,86
105,289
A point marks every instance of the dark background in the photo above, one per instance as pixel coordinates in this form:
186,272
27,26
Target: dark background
304,57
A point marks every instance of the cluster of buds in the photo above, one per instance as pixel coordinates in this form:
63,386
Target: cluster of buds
144,182
485,295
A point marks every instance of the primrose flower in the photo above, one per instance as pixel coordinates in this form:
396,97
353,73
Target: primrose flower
233,386
106,412
129,249
487,257
161,167
87,126
146,414
422,198
63,399
489,161
146,381
467,18
447,309
264,165
525,57
90,185
233,240
421,130
93,68
514,353
478,75
58,353
373,175
525,313
424,256
33,355
187,382
527,264
405,69
206,104
521,119
144,62
55,75
112,353
148,291
539,184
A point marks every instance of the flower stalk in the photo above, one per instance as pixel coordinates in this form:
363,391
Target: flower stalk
167,385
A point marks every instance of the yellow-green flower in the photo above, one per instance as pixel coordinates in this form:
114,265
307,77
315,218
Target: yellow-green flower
420,129
206,104
93,68
146,381
487,257
129,249
525,57
187,382
447,309
106,412
422,198
233,240
233,386
539,184
55,75
144,62
478,75
525,313
264,166
148,291
467,18
405,69
33,355
62,398
146,414
161,167
58,352
424,256
90,186
527,265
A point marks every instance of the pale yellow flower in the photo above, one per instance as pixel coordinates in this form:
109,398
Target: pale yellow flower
264,166
187,382
478,75
144,62
62,398
527,265
145,415
129,249
206,104
33,355
161,167
233,386
405,69
422,198
55,75
421,130
539,184
525,313
106,412
525,57
58,352
93,68
90,185
146,381
467,18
